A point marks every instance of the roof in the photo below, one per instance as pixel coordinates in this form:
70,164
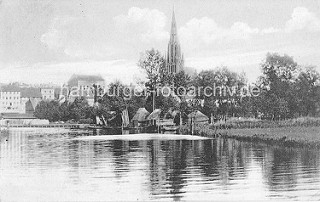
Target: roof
17,116
141,115
154,115
30,92
75,78
199,116
32,103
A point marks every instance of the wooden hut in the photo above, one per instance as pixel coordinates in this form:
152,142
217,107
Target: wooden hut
198,117
140,118
155,115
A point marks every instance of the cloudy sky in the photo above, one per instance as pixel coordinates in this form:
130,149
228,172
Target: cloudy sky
45,41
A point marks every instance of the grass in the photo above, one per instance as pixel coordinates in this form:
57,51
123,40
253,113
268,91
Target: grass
301,131
286,135
257,123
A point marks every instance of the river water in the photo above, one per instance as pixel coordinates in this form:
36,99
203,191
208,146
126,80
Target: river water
59,165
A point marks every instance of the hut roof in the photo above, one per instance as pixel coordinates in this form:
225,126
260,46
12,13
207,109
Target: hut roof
199,116
141,115
154,115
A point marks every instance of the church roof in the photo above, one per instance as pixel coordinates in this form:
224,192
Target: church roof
73,81
173,33
174,57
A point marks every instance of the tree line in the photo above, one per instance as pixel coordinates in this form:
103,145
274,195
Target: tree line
286,90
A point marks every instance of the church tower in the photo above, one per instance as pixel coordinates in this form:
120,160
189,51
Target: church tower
174,57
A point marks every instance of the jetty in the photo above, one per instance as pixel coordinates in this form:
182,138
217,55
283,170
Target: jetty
68,126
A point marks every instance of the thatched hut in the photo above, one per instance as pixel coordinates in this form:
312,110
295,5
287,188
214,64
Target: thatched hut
155,115
140,117
198,117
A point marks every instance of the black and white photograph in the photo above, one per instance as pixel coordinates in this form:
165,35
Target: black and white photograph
159,100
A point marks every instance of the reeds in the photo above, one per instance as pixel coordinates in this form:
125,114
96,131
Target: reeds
257,123
300,131
200,129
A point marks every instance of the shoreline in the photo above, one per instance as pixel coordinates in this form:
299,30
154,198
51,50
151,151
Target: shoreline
287,136
284,135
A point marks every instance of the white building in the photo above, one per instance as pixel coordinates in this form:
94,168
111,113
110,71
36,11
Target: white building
82,86
47,93
10,102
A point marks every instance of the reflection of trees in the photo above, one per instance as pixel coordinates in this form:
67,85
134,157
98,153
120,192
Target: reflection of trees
209,161
172,167
231,158
156,165
120,151
236,158
73,151
309,158
173,162
167,164
176,166
310,161
283,166
279,165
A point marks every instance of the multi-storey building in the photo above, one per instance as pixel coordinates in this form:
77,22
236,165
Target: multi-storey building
47,93
10,102
82,86
14,98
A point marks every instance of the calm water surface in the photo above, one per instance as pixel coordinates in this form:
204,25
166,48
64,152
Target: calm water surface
51,165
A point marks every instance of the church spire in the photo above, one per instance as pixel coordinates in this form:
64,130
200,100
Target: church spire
174,59
173,33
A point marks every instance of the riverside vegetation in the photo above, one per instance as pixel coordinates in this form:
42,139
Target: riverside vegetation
299,131
287,91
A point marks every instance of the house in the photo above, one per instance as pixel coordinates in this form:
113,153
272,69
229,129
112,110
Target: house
10,102
198,117
81,86
140,118
47,93
31,104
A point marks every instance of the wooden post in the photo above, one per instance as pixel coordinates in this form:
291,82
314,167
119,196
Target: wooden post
192,125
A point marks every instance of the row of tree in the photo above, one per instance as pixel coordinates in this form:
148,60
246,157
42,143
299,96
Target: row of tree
77,111
286,90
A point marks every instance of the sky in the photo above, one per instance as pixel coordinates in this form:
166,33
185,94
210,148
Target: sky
44,41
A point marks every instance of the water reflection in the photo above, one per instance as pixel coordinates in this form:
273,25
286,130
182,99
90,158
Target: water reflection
55,166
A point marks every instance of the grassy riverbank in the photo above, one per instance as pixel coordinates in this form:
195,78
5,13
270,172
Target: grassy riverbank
285,135
304,131
258,123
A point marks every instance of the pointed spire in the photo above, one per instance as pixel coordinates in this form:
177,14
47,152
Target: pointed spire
174,58
173,34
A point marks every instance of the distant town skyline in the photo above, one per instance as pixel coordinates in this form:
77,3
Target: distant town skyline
48,41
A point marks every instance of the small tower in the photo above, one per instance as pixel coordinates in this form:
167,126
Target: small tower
174,57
